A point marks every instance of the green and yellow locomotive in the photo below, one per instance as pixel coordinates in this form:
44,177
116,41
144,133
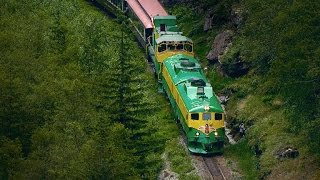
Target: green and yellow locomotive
192,98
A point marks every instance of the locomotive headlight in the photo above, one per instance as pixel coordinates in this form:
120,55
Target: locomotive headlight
216,133
197,133
206,108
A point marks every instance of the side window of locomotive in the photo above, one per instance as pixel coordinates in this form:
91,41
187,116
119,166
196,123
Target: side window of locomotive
195,116
162,27
206,116
188,47
162,47
171,47
218,116
179,46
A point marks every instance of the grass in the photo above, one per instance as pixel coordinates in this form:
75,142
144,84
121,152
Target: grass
180,160
247,162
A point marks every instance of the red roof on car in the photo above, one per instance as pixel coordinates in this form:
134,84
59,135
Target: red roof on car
141,14
153,8
146,10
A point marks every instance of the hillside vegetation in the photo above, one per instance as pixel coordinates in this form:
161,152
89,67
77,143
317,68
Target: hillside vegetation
76,99
279,98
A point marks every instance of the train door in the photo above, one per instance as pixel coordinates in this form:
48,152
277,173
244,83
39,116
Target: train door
125,7
148,35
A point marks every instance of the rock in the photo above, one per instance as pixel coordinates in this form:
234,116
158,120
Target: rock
234,69
223,99
229,135
257,150
236,16
168,175
221,42
233,65
242,130
208,21
288,152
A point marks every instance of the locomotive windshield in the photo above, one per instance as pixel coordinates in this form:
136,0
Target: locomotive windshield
172,46
162,47
195,116
188,47
218,116
206,116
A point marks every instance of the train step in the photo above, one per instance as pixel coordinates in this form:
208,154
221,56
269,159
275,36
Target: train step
160,89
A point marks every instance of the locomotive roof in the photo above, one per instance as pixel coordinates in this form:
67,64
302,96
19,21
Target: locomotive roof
183,80
168,17
183,76
172,37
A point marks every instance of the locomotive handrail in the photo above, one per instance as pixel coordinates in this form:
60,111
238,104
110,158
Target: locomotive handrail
148,40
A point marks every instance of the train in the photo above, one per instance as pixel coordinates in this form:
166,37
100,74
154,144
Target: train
179,73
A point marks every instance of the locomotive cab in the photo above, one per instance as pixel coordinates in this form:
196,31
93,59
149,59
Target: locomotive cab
167,40
175,46
170,45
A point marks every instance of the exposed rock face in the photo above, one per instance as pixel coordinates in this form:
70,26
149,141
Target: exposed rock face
288,152
235,68
166,173
208,21
219,46
236,17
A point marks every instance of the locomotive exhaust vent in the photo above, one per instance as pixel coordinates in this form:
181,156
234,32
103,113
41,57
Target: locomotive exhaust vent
197,82
187,63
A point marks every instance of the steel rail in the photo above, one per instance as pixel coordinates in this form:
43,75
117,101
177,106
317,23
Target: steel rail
214,169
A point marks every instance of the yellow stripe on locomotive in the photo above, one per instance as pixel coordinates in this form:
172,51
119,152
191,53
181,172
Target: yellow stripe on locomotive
200,120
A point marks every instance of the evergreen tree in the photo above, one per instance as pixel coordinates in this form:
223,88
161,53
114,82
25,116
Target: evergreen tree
126,89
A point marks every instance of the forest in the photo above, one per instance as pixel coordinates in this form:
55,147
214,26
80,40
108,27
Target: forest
77,101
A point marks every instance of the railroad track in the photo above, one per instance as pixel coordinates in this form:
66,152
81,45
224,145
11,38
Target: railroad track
209,168
214,168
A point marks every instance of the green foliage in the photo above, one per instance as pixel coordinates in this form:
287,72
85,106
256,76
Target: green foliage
281,40
126,86
244,155
180,160
10,155
60,60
